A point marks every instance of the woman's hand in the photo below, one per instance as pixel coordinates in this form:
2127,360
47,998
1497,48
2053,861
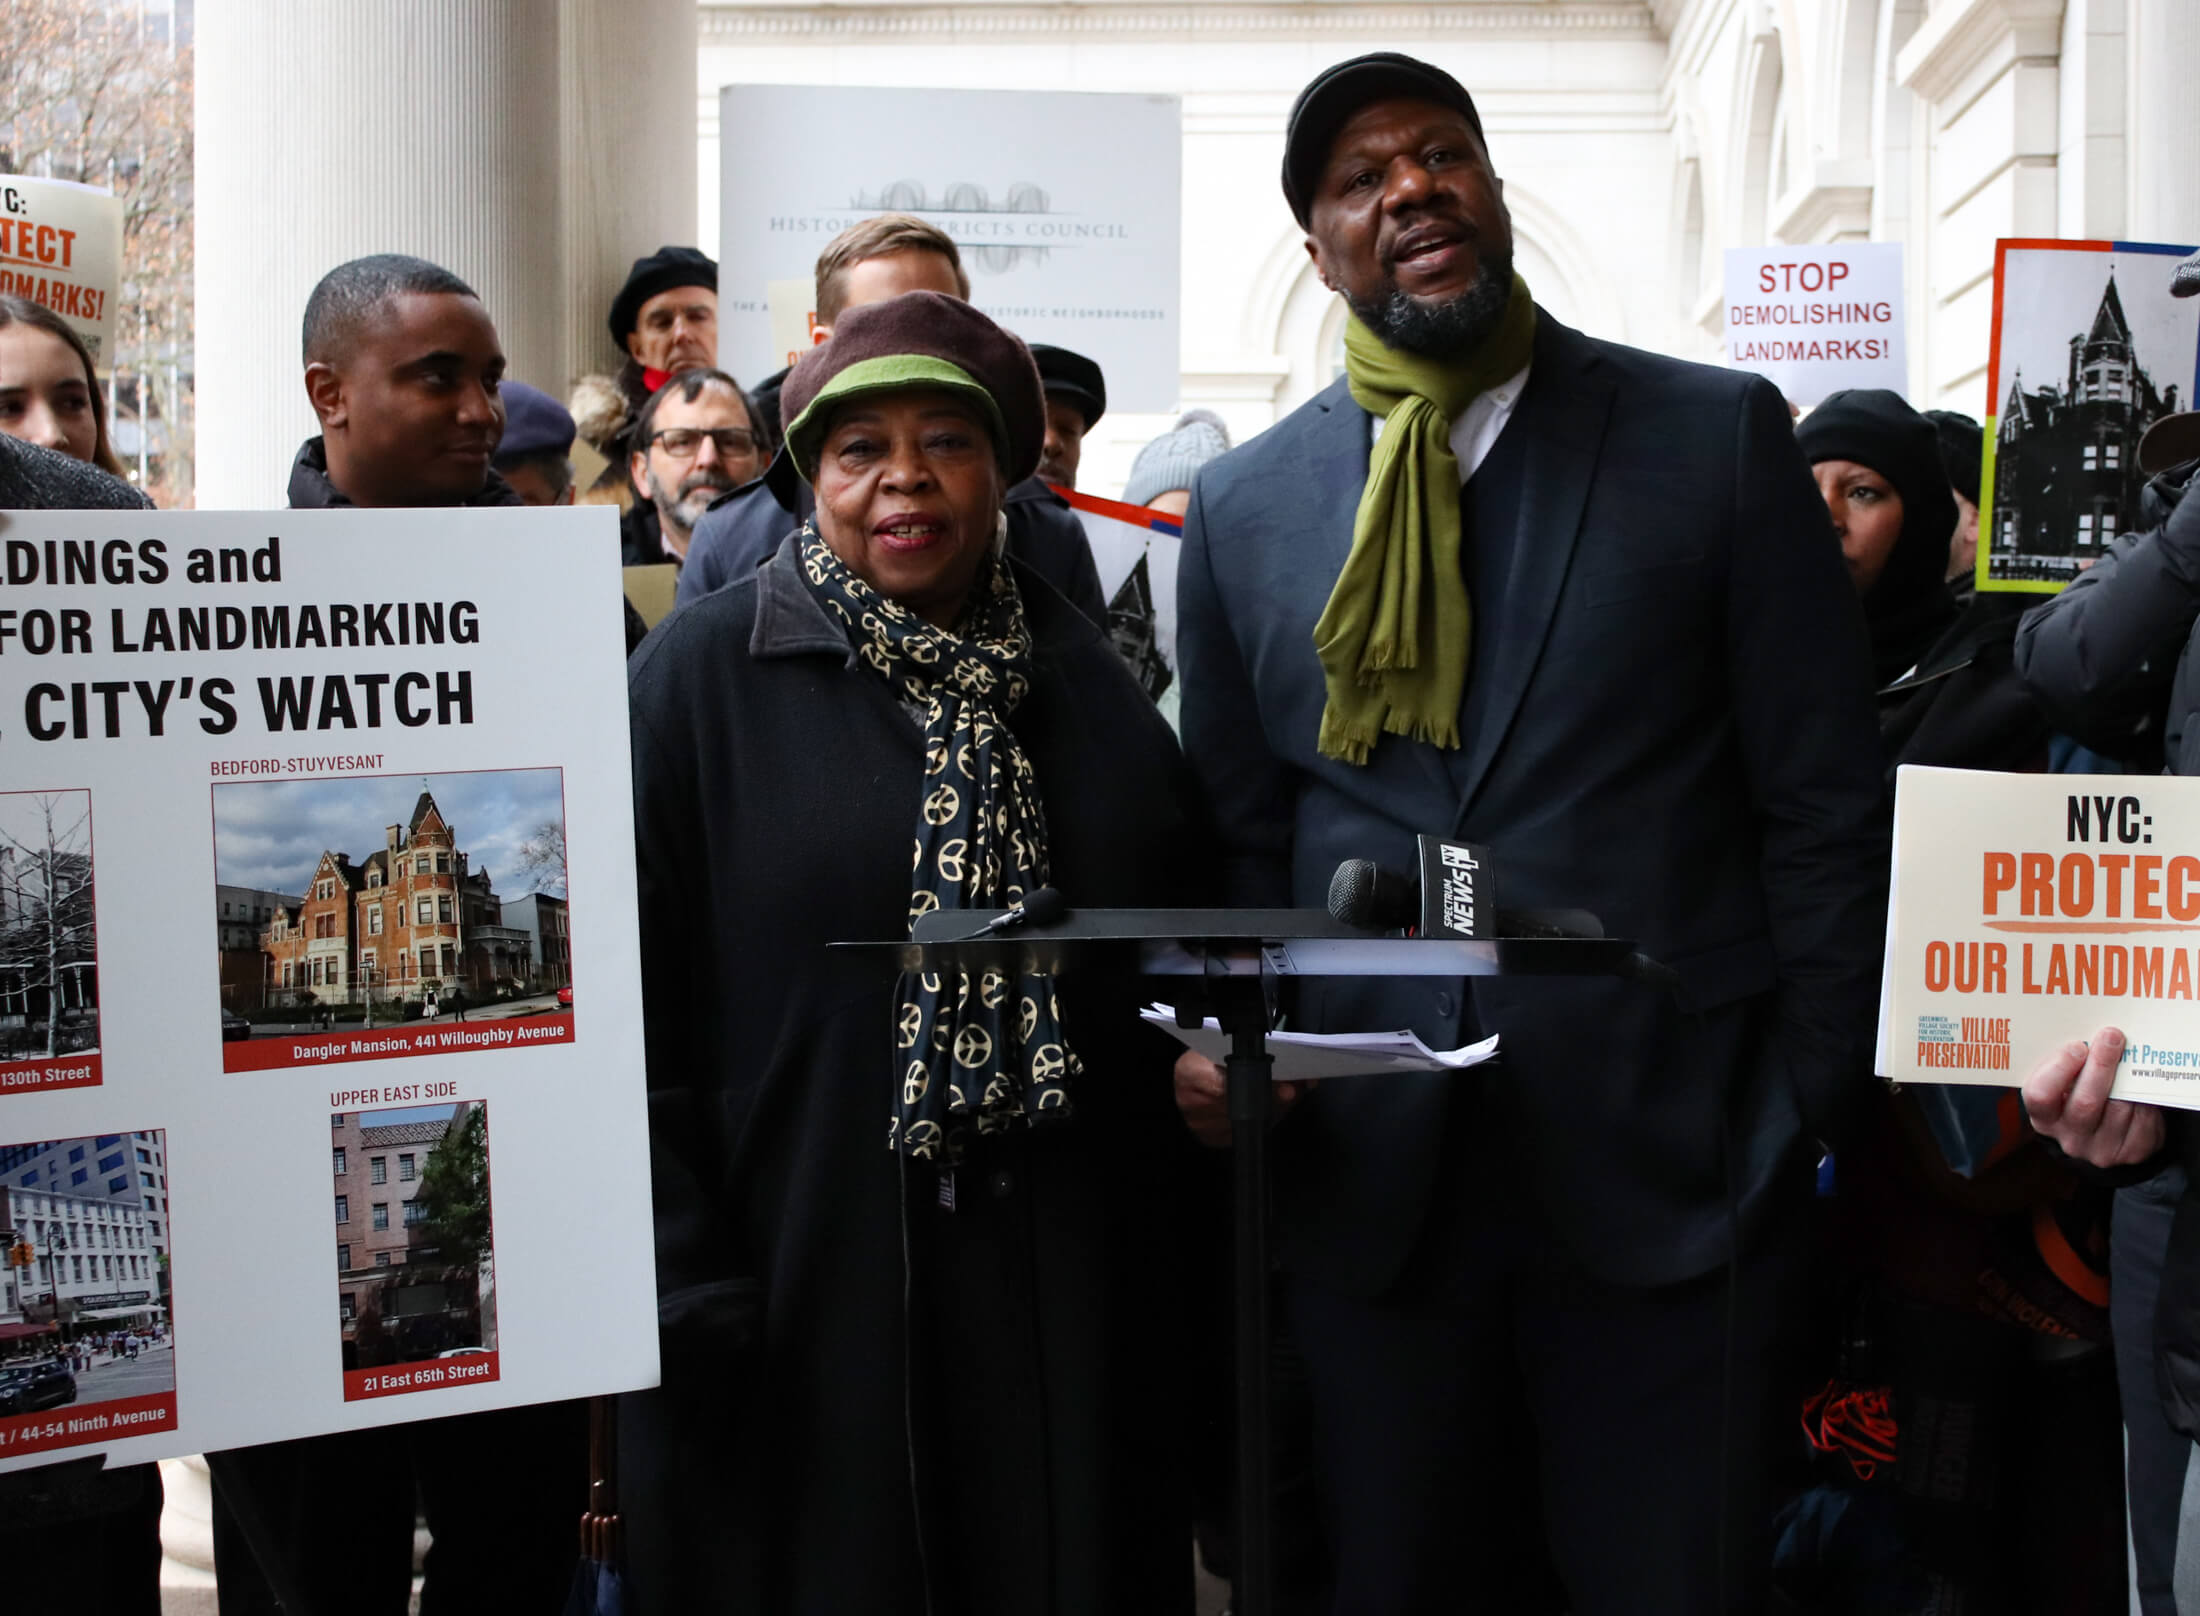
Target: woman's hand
2067,1099
1202,1094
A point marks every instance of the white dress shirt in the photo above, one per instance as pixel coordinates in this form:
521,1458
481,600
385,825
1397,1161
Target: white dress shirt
1476,431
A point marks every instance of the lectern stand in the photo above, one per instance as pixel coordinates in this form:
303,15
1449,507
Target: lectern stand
1225,963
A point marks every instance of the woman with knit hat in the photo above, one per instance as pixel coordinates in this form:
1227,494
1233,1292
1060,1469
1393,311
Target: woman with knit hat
916,1238
1983,1290
1948,691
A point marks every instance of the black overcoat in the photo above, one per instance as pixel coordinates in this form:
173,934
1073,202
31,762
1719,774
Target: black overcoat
868,1398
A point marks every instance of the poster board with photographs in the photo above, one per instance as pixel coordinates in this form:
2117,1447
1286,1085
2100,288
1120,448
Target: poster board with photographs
2029,910
2090,349
314,824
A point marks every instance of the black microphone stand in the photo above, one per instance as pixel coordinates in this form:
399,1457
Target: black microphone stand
1225,963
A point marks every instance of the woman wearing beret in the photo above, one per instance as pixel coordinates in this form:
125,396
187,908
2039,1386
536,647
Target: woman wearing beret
919,1302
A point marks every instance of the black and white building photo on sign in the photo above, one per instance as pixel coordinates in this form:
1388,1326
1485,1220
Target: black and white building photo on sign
2090,350
49,967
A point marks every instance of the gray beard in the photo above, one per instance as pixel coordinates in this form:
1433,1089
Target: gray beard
1446,330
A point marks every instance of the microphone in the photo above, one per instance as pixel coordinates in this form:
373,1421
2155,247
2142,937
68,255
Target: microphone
1449,895
1365,895
1040,907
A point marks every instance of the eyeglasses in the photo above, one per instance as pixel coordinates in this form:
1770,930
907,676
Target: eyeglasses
685,442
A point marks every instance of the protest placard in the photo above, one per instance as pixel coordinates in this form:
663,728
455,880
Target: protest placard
1135,550
1814,320
1064,206
2031,909
2090,349
313,825
61,245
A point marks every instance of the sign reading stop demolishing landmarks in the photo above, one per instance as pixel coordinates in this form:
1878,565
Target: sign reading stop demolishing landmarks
61,245
1815,320
1064,207
319,998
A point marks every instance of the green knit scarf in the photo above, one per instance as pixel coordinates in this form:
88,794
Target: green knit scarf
1393,638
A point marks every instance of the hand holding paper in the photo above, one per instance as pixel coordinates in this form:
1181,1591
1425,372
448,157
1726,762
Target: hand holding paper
2067,1099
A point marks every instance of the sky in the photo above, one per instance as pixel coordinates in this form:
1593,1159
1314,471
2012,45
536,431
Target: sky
23,820
398,1116
271,834
2050,297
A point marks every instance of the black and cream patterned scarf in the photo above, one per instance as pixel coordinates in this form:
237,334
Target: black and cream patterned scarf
972,1055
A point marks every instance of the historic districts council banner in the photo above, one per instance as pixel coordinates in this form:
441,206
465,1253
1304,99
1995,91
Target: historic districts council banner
321,1092
2031,909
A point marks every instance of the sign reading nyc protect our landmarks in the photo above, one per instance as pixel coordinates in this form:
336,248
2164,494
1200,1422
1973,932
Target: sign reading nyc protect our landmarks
2032,909
364,831
2089,350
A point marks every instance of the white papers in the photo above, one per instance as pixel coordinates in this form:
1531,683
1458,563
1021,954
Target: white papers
1302,1056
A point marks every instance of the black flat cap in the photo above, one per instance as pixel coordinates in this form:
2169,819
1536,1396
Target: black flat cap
661,271
922,340
1073,379
1337,93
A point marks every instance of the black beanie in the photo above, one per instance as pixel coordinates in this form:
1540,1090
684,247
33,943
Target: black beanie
1962,447
1877,428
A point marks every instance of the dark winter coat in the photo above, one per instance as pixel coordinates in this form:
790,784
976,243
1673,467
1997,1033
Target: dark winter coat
871,1403
2115,661
1963,706
311,490
35,479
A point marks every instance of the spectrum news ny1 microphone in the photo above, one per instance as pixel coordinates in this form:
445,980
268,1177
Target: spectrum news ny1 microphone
1452,894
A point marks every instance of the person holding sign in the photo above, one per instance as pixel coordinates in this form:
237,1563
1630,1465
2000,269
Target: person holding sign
917,1243
403,367
2115,661
1505,582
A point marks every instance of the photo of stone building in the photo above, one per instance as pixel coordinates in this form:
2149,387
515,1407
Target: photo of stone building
2066,476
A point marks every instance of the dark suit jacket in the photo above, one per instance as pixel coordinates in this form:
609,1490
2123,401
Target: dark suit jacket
1677,734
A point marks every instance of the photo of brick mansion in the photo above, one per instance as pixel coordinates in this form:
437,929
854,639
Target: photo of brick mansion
412,925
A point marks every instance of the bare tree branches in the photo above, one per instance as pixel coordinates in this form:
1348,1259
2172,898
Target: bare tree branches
92,93
48,942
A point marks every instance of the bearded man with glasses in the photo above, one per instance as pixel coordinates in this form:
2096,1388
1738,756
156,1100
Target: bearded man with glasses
693,441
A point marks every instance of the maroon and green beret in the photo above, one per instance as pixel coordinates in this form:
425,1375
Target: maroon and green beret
919,340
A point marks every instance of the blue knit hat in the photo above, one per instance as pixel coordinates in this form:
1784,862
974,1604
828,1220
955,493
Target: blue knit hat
1167,464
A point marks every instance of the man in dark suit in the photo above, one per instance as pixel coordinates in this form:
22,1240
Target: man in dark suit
1625,656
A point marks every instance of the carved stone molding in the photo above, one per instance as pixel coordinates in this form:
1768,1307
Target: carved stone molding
855,24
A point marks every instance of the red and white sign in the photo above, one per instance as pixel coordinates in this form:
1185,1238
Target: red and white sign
1816,320
61,245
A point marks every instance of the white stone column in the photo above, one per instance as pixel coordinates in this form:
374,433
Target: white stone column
327,129
2162,139
1985,73
629,155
